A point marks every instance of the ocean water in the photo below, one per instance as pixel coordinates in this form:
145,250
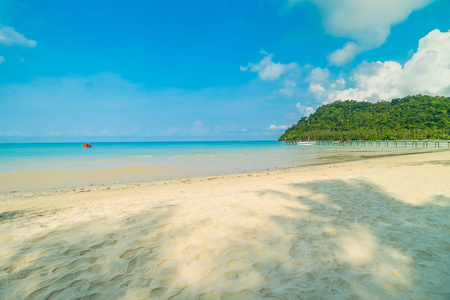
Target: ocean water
181,159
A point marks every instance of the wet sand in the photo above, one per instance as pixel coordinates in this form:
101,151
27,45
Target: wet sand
373,229
22,180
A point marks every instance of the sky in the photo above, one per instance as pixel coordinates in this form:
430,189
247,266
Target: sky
76,71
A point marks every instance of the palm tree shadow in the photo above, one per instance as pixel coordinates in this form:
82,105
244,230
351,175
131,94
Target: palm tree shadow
28,214
88,259
358,240
325,239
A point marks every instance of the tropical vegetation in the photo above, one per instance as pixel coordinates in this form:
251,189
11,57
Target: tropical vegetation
412,117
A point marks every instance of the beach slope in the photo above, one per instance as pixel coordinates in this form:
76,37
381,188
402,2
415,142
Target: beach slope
373,229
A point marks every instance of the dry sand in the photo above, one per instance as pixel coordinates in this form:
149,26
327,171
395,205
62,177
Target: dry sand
374,229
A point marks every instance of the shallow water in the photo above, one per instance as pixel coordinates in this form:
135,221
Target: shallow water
171,160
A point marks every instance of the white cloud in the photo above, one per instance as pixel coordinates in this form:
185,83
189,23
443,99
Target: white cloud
170,131
374,81
318,75
367,22
288,90
427,72
275,127
267,69
198,129
9,37
304,110
317,89
317,78
243,129
14,133
2,59
346,54
290,83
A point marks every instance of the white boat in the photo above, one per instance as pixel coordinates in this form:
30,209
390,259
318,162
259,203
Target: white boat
307,143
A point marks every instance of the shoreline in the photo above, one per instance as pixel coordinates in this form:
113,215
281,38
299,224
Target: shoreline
372,229
128,171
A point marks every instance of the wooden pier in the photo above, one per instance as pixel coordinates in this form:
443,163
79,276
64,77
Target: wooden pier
380,143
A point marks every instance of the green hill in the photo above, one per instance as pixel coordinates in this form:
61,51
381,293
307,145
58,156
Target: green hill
412,117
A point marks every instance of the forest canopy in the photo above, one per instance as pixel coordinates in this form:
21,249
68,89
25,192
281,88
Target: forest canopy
412,117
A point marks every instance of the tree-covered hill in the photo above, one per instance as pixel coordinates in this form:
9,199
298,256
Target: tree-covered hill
412,117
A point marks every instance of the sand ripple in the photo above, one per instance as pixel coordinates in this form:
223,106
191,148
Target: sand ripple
259,237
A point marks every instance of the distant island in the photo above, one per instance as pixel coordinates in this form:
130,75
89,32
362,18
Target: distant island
412,117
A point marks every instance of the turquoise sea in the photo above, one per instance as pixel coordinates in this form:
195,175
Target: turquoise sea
181,159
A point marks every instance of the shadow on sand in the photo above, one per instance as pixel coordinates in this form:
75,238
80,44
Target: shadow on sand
329,240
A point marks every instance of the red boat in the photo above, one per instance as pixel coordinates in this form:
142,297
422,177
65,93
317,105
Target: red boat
87,145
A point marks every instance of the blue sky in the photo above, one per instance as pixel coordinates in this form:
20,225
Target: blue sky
207,70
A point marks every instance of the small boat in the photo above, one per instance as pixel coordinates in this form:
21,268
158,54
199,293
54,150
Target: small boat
87,145
306,143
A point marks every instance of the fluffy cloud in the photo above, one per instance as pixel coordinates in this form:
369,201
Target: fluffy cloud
317,89
267,69
366,22
304,110
319,75
427,72
347,53
275,127
9,37
288,89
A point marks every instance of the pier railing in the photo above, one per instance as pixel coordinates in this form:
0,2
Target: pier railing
380,143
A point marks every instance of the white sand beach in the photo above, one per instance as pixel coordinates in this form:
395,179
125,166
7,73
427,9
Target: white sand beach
372,229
